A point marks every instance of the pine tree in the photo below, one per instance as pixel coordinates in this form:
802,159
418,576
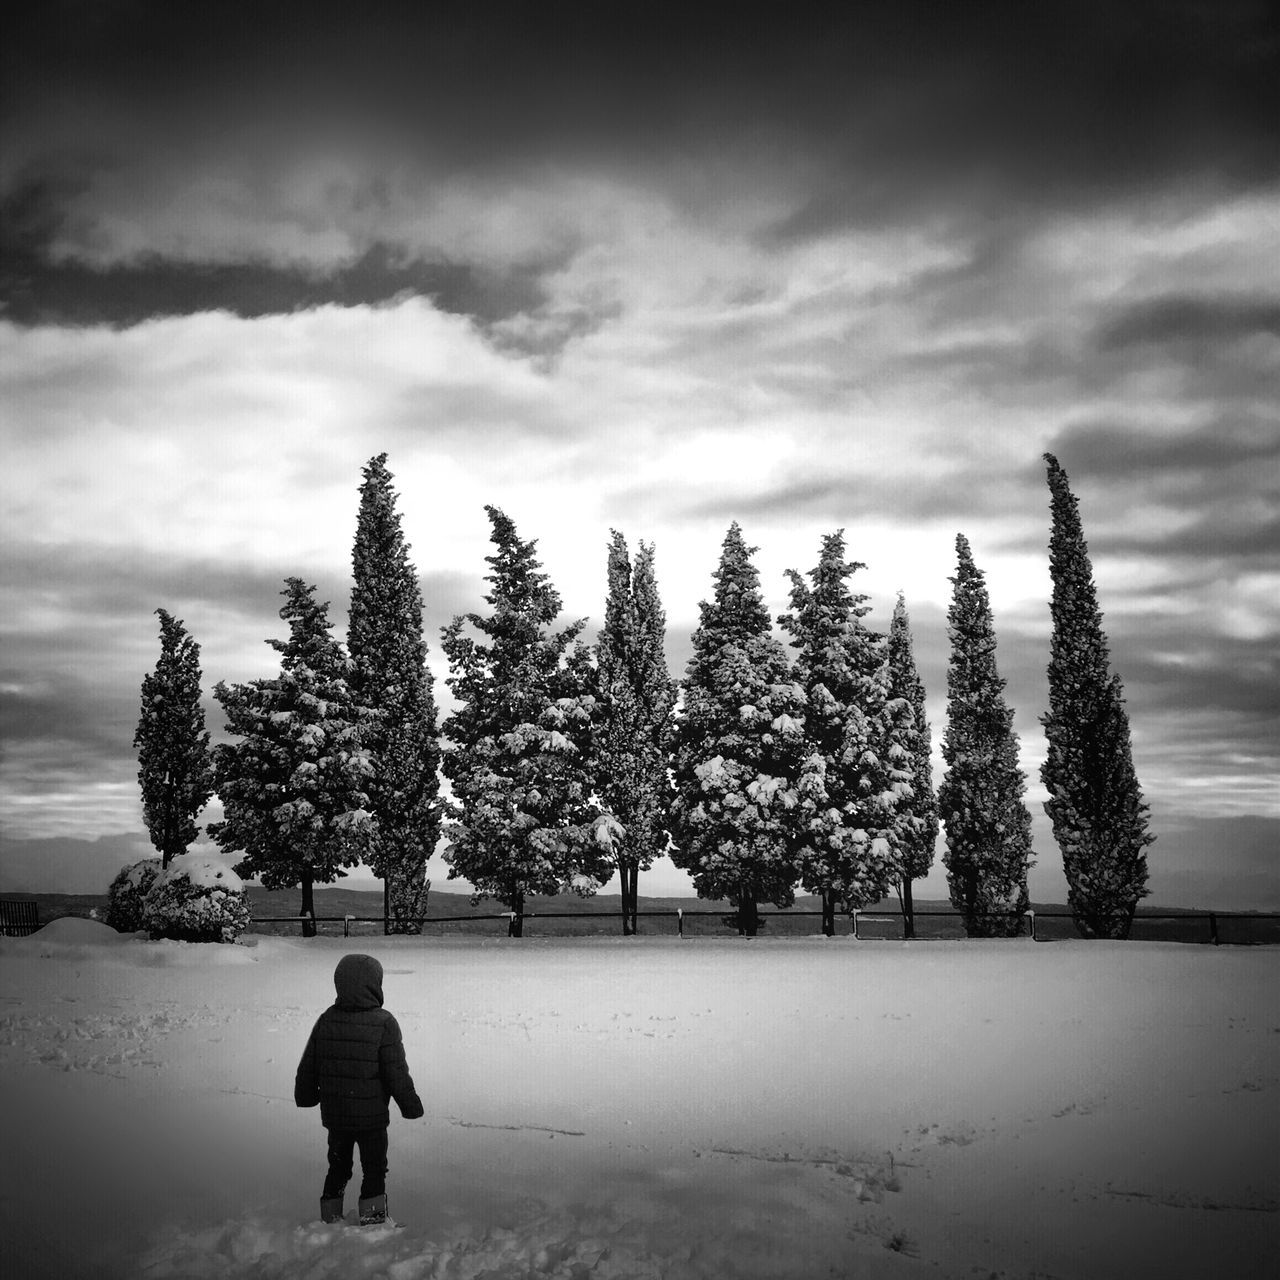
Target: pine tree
175,769
855,778
293,785
981,798
739,749
1095,803
637,698
390,676
918,832
520,742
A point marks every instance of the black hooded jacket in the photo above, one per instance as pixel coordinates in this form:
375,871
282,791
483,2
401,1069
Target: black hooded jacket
354,1060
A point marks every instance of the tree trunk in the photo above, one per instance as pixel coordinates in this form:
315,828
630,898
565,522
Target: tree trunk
748,916
908,908
630,897
404,896
515,928
308,911
828,913
167,840
1111,927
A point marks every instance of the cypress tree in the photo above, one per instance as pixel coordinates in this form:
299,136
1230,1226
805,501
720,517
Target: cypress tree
293,785
854,780
1095,803
981,798
391,677
175,769
918,830
637,697
520,741
739,749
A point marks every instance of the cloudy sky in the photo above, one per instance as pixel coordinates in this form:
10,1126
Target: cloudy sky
654,268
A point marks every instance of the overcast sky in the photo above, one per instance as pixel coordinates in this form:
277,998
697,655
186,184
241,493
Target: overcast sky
654,268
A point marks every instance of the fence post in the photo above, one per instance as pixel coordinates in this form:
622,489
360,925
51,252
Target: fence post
854,915
346,926
680,921
1031,916
1213,928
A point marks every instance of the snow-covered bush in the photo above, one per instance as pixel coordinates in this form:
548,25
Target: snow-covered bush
198,899
127,892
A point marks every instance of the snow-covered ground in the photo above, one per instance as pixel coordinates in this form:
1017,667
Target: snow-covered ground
646,1107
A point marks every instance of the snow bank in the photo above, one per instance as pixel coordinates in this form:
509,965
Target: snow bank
74,930
80,938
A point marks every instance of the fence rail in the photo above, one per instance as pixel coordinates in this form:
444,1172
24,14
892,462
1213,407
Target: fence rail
1216,927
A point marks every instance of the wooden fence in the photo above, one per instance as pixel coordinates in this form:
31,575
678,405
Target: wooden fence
1216,927
18,917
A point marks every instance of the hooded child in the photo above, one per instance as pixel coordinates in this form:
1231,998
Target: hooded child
352,1067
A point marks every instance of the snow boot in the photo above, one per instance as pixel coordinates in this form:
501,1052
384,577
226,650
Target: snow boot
373,1209
331,1209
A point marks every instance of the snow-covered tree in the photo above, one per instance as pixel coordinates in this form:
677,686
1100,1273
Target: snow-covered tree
293,783
918,827
391,677
856,775
198,899
981,798
518,750
637,698
175,769
127,893
1095,802
739,749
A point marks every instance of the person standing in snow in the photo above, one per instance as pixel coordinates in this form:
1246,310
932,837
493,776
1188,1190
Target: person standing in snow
352,1067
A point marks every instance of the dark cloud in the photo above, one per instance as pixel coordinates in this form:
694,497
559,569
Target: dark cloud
1224,475
1193,673
109,587
1105,450
1008,108
113,590
37,289
1189,320
976,490
68,709
894,106
1229,532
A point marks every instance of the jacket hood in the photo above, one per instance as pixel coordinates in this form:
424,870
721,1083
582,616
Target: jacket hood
358,980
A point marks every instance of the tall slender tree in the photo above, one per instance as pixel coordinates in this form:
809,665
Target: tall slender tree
918,825
293,784
856,777
519,743
390,676
175,768
637,698
981,798
1095,803
739,749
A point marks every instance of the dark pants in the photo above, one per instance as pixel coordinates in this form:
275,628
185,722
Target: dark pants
373,1162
